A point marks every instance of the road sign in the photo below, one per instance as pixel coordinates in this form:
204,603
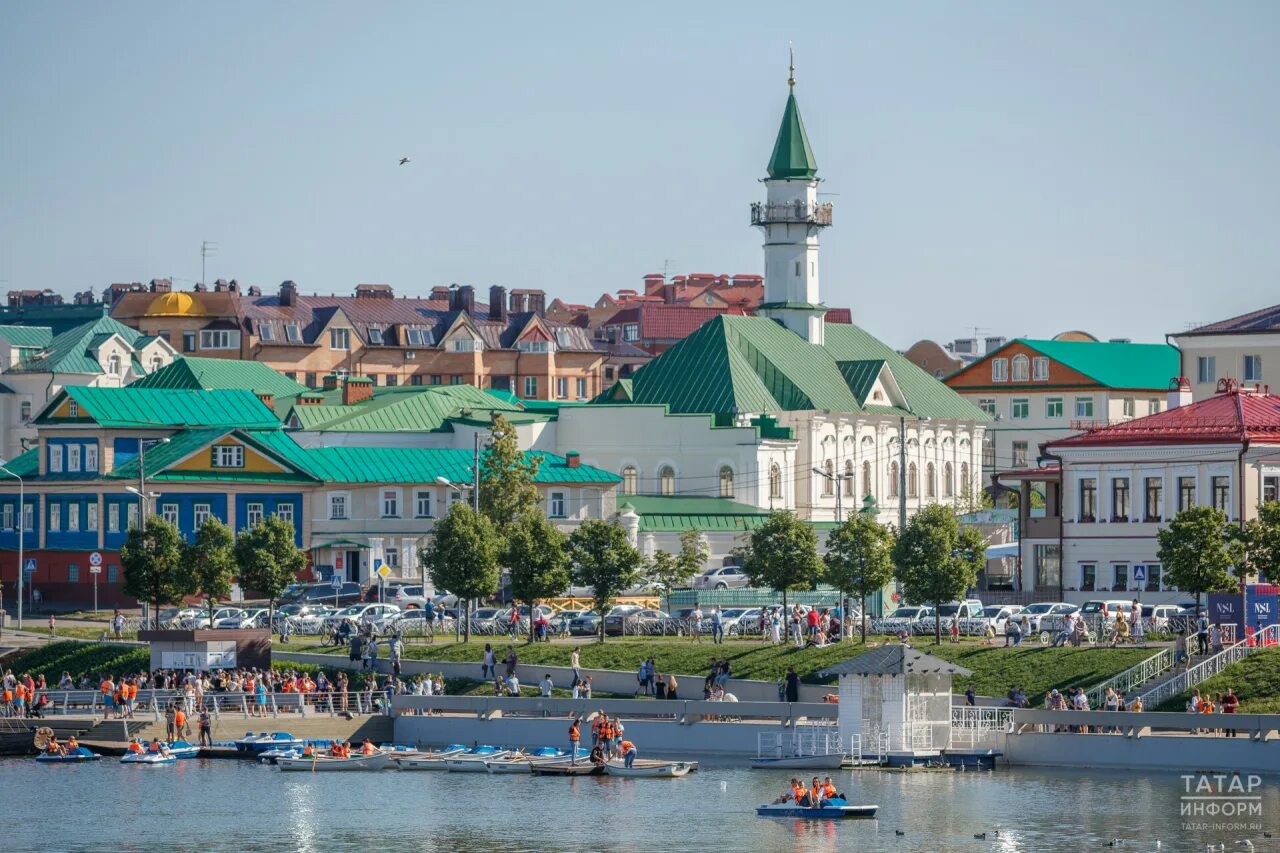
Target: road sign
95,559
384,571
1140,573
29,567
336,583
95,570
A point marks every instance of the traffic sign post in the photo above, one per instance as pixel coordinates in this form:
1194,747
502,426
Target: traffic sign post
383,571
95,569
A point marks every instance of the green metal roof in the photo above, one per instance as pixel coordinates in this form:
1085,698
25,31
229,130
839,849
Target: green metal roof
27,336
1115,365
71,351
25,465
735,365
425,464
792,157
221,374
413,408
163,407
678,513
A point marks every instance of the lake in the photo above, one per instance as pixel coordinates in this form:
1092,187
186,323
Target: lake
203,805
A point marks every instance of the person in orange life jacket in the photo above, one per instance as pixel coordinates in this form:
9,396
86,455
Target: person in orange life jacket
789,793
308,751
135,747
815,794
575,736
367,748
155,745
829,791
628,752
799,793
335,750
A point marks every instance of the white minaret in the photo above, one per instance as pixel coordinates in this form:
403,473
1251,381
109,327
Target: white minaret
791,219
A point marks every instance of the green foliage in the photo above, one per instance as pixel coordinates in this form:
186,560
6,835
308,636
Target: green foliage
537,558
462,555
674,571
1198,549
937,560
92,659
1264,545
211,560
507,490
783,554
151,559
1256,681
267,558
859,559
605,560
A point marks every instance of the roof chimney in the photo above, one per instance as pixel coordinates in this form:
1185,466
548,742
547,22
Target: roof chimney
572,459
356,389
440,293
330,382
288,294
266,397
498,303
462,297
310,400
1179,392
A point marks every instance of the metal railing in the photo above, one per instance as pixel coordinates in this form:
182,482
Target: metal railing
1133,677
982,718
1257,727
684,712
154,703
1210,666
763,213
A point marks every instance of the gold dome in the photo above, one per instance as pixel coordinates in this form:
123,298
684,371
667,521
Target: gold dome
175,305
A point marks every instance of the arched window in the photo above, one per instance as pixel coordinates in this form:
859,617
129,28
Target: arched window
948,483
828,479
913,481
667,480
775,481
629,480
156,363
930,481
1021,368
848,478
964,479
866,480
893,479
113,365
726,482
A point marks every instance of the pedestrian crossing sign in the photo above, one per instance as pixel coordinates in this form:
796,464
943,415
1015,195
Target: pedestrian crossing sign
29,566
1140,573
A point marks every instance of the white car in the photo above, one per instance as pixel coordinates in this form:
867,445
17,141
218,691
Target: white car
904,618
179,617
1037,613
998,616
726,577
1157,615
255,618
222,613
359,614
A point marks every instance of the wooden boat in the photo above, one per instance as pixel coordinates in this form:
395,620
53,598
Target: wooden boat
517,763
428,760
474,762
149,759
650,769
325,763
830,761
562,767
829,810
79,755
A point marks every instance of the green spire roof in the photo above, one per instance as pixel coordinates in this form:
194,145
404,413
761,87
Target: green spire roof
792,157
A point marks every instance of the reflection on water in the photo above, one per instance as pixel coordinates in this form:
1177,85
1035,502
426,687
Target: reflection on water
224,805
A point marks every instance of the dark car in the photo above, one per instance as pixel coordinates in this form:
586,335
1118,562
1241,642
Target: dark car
322,593
585,624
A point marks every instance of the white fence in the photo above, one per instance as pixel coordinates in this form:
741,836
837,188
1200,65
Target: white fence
1210,666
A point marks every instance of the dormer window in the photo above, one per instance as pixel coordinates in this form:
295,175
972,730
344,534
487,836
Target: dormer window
266,332
465,345
292,333
73,409
113,365
375,335
535,346
413,337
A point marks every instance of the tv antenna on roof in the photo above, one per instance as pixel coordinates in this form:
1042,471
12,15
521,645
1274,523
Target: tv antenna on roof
208,248
666,266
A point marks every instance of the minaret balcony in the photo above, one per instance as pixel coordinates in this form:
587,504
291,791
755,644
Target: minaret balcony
791,213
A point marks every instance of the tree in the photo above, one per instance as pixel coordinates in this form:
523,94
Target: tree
783,555
859,560
507,474
671,571
938,560
268,559
462,557
537,559
605,560
1197,551
154,570
211,559
1267,540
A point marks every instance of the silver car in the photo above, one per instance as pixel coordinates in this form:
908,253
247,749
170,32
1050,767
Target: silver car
726,577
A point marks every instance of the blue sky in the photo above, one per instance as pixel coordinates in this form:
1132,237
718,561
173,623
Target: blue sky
1021,167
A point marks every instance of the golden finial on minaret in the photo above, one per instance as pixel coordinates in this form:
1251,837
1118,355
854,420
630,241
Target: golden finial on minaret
791,77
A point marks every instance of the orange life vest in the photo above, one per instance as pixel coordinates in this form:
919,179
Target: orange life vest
627,746
574,734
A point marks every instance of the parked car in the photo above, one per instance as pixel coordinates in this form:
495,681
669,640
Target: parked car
406,596
560,621
970,608
725,577
484,620
202,620
229,617
322,593
253,618
740,621
179,617
1036,613
998,616
904,618
305,618
1157,616
359,614
586,624
409,622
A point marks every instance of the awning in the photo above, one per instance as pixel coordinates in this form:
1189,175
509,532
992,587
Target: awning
995,552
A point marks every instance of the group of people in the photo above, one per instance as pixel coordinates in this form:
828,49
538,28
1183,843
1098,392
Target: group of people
607,741
54,747
156,747
23,696
1227,703
819,793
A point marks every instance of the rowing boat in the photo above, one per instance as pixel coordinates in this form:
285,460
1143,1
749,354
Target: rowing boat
561,767
473,762
325,763
830,761
829,810
650,769
429,760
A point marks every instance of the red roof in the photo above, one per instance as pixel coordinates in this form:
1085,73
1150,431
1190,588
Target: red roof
839,315
665,322
1231,417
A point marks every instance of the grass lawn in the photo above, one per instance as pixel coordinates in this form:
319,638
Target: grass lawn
78,632
1036,669
1256,680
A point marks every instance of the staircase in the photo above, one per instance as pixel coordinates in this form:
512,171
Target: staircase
121,730
1207,667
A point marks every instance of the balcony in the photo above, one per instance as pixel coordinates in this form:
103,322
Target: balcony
796,213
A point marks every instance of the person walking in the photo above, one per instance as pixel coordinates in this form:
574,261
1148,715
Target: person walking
1215,637
575,664
1230,705
717,625
1202,634
695,623
488,667
1137,625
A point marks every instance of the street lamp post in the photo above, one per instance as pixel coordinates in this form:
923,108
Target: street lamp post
21,520
474,486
